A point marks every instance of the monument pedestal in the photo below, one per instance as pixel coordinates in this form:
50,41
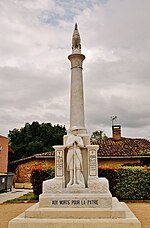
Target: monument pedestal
77,197
119,216
76,206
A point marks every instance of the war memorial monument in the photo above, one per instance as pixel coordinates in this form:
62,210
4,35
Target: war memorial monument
76,197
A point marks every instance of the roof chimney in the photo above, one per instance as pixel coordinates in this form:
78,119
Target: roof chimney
116,131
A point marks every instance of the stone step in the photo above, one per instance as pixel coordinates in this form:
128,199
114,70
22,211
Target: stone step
117,211
22,222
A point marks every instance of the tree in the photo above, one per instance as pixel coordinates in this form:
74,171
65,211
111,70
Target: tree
35,138
98,135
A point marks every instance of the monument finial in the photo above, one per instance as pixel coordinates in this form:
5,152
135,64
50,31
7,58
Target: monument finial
76,41
76,26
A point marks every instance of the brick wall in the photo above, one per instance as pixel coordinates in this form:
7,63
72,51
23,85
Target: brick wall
3,154
23,171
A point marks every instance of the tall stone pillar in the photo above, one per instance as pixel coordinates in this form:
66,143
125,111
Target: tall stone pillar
76,95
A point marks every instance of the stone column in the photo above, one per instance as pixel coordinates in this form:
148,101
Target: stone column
76,97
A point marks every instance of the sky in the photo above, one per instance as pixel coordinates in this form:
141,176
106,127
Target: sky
35,41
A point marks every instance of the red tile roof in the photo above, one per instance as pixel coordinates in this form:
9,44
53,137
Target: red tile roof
123,147
109,148
41,155
46,154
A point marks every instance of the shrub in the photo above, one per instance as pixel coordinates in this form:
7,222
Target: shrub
38,175
129,182
133,183
111,175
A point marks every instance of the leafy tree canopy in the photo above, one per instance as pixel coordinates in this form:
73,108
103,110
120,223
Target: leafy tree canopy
98,135
35,138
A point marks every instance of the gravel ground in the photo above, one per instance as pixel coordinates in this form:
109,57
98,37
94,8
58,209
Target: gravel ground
9,211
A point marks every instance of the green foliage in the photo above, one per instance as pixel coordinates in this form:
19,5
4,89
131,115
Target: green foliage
129,182
133,183
111,175
29,197
35,138
144,152
38,176
98,135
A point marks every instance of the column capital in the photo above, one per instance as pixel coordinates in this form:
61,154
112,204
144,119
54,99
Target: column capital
76,60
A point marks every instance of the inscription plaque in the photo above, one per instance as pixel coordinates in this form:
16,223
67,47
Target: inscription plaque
92,163
59,163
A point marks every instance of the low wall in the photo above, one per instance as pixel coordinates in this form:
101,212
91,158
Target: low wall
23,171
116,162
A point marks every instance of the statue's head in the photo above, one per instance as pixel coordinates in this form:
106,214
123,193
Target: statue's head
74,130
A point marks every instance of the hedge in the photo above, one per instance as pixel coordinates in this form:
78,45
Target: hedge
38,175
130,182
127,183
111,175
133,183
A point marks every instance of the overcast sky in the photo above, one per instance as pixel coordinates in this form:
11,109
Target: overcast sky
35,41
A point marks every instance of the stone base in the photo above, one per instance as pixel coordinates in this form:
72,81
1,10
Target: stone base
72,200
56,196
57,186
119,216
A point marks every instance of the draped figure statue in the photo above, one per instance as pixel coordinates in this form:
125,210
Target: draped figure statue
74,144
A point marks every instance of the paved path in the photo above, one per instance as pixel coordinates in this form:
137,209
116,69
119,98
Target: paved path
15,193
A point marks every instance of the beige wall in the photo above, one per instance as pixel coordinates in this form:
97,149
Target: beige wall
3,154
115,163
23,171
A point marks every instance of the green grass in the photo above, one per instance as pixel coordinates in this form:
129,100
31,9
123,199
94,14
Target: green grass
29,197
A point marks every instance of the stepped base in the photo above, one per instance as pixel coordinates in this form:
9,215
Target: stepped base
119,216
75,201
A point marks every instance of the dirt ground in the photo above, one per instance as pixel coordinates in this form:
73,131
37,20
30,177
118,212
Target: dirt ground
142,212
9,211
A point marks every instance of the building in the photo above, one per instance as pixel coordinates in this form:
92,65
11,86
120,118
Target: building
119,151
3,154
23,167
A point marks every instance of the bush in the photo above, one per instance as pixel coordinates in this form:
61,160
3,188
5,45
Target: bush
133,183
111,175
38,175
129,182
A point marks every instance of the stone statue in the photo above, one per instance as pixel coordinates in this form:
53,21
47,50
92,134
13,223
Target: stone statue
76,41
74,144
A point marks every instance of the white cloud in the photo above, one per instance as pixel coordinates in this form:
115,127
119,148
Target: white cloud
35,40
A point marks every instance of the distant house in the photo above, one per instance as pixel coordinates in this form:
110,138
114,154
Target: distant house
23,167
118,150
3,154
113,152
